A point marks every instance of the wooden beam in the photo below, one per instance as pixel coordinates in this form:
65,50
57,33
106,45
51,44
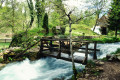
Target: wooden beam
95,45
59,54
86,54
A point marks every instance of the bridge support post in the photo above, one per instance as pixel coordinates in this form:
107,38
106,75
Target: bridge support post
59,54
40,54
95,45
86,54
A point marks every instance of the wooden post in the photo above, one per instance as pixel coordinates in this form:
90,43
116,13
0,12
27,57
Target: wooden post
40,54
51,45
5,40
59,54
95,45
69,49
86,54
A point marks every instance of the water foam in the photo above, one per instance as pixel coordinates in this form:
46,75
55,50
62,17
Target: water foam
43,69
106,48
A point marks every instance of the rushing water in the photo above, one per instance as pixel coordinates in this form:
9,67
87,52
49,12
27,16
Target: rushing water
43,69
49,68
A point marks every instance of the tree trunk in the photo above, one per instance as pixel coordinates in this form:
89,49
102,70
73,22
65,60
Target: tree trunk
96,22
71,51
13,15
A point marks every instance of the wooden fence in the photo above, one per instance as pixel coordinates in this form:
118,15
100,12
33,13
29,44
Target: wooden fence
5,40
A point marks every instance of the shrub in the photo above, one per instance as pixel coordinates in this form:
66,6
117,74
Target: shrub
54,30
63,30
1,60
45,23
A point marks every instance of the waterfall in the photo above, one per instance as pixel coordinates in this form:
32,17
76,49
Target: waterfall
49,68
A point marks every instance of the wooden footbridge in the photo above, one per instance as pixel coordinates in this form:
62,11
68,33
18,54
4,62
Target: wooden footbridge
60,49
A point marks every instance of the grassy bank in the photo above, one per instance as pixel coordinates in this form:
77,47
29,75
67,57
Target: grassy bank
4,45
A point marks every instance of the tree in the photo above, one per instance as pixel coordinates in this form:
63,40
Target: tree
45,23
13,14
114,17
99,6
1,2
68,14
40,10
31,8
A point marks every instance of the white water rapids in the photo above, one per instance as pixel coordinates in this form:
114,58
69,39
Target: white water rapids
49,68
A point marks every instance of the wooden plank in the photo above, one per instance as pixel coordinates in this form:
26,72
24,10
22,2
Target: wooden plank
59,53
86,54
95,45
45,49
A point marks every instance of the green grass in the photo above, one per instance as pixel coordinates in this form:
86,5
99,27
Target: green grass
105,39
4,45
79,29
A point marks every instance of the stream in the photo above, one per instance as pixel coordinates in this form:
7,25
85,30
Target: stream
49,68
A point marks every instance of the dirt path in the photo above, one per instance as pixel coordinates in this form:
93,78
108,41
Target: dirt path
111,72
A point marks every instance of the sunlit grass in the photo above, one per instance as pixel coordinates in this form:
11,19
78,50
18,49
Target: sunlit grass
4,45
79,29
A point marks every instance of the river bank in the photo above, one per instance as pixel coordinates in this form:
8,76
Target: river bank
111,71
2,66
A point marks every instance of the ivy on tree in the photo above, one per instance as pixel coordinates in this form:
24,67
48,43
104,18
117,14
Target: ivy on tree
114,17
45,23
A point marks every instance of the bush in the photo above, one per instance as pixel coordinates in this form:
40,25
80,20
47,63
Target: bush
21,40
54,30
1,60
45,23
63,30
105,40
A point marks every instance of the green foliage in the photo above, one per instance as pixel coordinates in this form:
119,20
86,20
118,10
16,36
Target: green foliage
21,40
79,29
104,59
114,17
45,23
4,45
40,11
54,30
63,30
1,60
31,8
10,59
91,64
105,40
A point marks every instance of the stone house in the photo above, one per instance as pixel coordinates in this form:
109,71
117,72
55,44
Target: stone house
102,23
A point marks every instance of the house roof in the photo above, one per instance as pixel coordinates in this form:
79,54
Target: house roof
102,22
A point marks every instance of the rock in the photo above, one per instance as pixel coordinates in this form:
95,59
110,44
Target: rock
2,65
111,57
81,79
118,57
108,56
100,69
87,75
99,63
